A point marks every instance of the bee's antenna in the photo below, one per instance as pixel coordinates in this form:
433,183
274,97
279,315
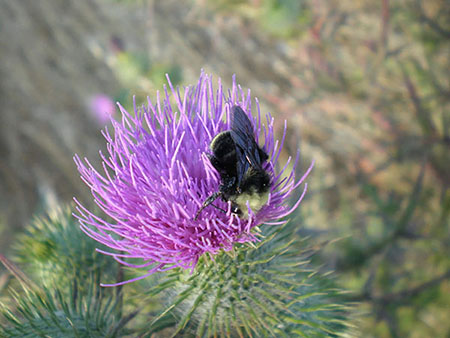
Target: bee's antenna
207,202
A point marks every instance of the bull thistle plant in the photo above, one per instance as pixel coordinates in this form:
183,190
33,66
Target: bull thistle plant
141,263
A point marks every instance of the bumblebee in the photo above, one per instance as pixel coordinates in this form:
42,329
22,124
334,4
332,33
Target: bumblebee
239,161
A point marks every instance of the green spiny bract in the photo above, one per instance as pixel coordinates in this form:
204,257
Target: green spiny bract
56,313
65,299
267,290
54,249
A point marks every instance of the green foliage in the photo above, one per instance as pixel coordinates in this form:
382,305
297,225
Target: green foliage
62,296
266,290
140,75
53,248
83,311
280,18
284,18
377,122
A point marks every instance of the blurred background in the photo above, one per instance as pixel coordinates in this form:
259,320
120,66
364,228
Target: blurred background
364,86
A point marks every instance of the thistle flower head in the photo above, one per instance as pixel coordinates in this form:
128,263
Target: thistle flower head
102,108
156,176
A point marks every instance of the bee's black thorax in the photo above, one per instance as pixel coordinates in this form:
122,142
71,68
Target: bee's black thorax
223,158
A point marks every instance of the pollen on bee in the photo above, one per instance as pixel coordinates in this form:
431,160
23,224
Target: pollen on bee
255,201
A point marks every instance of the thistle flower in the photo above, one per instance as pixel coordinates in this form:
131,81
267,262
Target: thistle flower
102,108
157,175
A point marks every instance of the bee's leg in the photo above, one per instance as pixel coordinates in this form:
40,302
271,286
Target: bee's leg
219,208
207,202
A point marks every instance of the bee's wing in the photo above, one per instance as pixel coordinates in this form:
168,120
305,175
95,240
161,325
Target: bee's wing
247,150
240,123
